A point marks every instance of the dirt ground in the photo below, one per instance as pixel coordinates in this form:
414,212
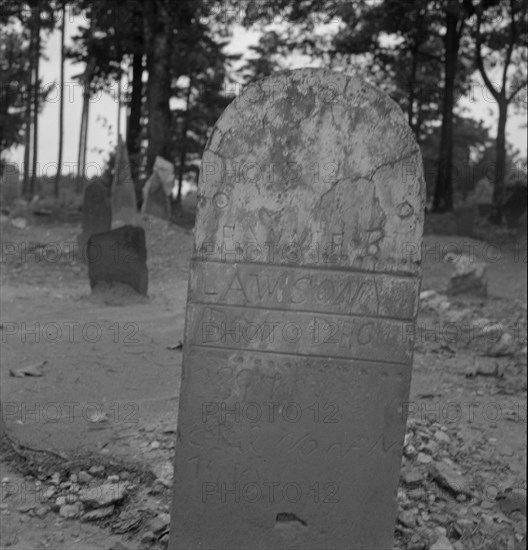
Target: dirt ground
101,383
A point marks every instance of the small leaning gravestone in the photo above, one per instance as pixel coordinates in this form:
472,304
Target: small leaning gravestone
297,349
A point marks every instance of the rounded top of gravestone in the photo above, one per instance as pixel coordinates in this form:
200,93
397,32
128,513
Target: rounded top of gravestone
312,168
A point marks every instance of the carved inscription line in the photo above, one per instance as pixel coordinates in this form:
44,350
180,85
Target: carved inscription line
310,355
341,269
293,311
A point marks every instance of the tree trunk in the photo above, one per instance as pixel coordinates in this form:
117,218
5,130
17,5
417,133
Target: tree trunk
83,138
80,170
158,34
500,162
61,106
412,89
29,120
443,196
29,108
134,123
183,152
36,101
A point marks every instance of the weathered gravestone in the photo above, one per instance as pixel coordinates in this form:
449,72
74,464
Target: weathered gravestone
11,187
97,215
298,340
124,206
119,256
158,189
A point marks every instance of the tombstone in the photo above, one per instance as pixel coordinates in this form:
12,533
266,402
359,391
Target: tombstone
97,215
483,194
302,300
11,185
124,207
521,230
157,190
515,205
119,256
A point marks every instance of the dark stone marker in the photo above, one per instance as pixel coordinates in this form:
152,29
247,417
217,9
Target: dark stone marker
300,320
120,256
97,214
11,186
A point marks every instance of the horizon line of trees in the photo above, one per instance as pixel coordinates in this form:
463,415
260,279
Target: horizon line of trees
423,53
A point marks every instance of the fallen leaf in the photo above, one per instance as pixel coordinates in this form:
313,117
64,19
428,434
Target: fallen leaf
177,346
31,370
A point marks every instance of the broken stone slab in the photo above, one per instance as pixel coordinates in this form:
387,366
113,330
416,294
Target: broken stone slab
103,495
446,476
470,278
119,256
98,513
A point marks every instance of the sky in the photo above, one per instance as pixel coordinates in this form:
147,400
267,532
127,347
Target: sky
102,133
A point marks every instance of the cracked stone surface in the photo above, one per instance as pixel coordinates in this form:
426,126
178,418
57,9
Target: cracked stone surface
297,361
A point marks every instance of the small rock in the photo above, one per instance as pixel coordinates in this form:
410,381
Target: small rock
74,478
416,543
155,445
55,479
442,437
431,447
442,544
70,511
41,511
424,458
410,451
159,523
84,477
157,488
48,492
446,476
98,513
19,223
427,294
96,470
113,478
164,473
148,536
505,346
469,278
456,316
25,508
412,478
407,518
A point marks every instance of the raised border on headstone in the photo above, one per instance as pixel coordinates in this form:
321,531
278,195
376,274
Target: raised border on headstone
303,295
